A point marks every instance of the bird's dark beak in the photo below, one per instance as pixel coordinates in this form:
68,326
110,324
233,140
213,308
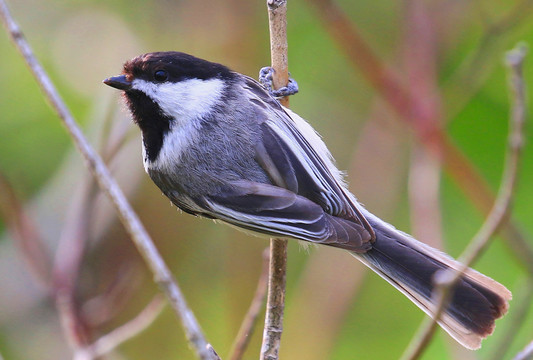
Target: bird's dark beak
118,82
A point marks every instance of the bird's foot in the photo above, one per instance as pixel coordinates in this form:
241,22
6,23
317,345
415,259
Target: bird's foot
265,78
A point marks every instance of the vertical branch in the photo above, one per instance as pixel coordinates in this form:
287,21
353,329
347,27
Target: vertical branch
424,174
275,300
277,21
162,275
277,11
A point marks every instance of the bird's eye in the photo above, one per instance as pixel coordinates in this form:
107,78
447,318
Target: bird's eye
161,75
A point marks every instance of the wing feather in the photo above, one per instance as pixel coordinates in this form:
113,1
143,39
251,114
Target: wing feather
290,151
276,211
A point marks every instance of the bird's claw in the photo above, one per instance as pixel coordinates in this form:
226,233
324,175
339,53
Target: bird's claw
265,78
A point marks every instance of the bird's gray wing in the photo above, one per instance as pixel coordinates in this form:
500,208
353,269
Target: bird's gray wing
295,158
279,212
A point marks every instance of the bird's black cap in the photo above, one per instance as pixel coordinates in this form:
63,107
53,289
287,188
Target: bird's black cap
178,65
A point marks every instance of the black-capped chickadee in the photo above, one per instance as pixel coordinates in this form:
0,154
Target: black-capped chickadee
220,146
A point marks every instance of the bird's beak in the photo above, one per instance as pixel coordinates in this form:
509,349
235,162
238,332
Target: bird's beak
118,82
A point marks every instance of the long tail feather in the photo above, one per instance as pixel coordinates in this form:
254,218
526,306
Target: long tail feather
410,266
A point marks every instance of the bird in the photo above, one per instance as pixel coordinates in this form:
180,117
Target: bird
222,147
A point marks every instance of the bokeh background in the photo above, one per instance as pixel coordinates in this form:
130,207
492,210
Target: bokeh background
61,242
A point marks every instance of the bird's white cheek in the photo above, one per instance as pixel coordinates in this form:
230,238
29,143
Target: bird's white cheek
183,100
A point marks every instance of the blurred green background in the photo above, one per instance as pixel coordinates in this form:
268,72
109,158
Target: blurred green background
449,53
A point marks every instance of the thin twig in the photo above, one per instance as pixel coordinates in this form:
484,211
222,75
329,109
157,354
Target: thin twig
515,321
424,192
163,276
277,18
277,22
526,354
100,309
115,338
275,300
425,170
245,332
446,281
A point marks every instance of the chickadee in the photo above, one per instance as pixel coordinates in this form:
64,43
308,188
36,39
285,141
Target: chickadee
220,146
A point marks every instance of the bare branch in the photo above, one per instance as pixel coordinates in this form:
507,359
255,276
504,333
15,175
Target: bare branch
133,226
425,170
100,309
277,21
115,338
498,215
277,16
245,332
525,354
76,333
515,320
275,300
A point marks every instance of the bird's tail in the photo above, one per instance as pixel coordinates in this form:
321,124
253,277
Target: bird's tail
410,266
